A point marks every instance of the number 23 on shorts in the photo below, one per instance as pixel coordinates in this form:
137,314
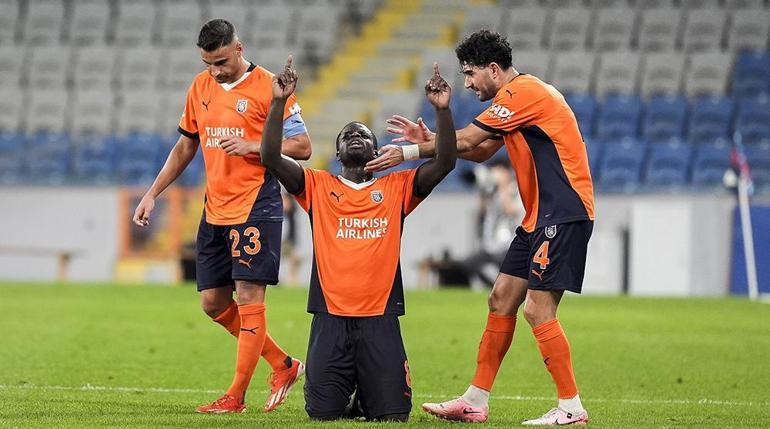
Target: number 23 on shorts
252,248
541,256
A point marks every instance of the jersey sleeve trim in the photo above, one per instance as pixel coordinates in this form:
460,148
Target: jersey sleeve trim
487,128
186,133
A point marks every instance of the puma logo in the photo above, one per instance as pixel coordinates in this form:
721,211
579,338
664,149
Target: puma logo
510,94
252,330
545,361
206,104
246,263
335,195
539,275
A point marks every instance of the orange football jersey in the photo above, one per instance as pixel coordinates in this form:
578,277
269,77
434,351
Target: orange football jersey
357,242
545,148
238,188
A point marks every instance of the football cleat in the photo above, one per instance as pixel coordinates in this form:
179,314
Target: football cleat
559,417
225,404
457,410
281,382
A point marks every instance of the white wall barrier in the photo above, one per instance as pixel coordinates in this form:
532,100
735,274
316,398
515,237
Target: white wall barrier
666,245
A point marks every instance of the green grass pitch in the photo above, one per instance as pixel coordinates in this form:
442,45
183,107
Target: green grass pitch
140,356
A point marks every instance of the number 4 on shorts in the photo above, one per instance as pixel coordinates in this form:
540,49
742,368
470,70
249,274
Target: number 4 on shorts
541,256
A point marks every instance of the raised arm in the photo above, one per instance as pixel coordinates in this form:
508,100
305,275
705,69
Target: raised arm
432,172
288,171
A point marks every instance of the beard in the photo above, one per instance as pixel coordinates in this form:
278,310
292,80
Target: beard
356,158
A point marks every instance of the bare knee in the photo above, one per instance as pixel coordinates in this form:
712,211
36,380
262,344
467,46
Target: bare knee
249,292
507,295
215,303
540,307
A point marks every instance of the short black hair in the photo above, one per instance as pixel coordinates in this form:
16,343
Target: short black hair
215,34
374,136
484,47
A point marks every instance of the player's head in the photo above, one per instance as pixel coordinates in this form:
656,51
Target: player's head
356,145
484,56
221,50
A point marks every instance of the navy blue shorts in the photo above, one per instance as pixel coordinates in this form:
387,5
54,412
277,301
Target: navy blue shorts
550,258
364,355
250,251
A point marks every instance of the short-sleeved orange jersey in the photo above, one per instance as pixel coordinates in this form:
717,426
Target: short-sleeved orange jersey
237,188
357,242
545,148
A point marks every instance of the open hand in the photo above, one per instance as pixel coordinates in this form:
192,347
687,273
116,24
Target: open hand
437,90
285,82
413,132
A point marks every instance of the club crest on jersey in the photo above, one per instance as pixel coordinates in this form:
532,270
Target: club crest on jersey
241,105
500,112
377,196
550,231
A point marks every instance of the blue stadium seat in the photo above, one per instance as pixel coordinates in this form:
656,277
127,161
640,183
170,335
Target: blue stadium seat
710,119
665,118
619,118
668,165
751,76
11,157
585,107
594,148
195,172
752,123
621,165
47,159
711,161
759,162
94,159
137,158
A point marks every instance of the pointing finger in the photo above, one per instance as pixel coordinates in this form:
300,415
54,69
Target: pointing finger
289,61
435,70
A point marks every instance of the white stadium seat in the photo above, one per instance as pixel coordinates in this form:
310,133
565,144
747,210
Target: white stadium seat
94,67
136,23
138,69
11,107
572,71
93,111
618,73
613,29
525,28
707,73
569,29
748,30
704,30
181,23
659,29
48,67
89,23
47,110
44,22
663,73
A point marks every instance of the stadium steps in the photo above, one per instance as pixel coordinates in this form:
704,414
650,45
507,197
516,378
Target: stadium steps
384,58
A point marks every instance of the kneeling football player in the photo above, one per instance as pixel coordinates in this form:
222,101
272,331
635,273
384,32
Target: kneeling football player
356,293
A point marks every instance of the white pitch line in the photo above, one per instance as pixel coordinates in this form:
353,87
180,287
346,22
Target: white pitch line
90,387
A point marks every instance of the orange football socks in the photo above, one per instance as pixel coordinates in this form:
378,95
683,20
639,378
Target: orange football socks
271,351
555,351
250,341
495,342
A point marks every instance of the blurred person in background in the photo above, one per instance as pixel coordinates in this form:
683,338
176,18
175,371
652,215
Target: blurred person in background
548,254
500,211
356,294
239,237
